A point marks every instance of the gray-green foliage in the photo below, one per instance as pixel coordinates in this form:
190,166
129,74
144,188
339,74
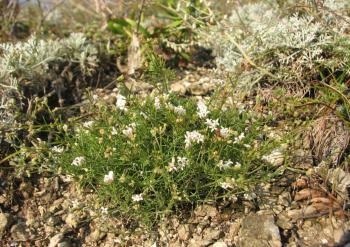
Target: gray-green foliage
31,65
282,46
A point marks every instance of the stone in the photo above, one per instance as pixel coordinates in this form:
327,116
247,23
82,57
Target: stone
340,235
184,232
178,88
284,222
199,243
294,214
206,210
175,243
259,231
234,229
64,244
138,86
219,244
276,157
56,205
96,235
19,232
26,189
5,221
212,234
309,210
201,89
72,220
55,240
340,181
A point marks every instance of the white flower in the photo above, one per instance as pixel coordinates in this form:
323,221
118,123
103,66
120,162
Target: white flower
157,103
78,161
238,165
121,102
224,165
114,132
226,185
249,196
88,124
95,97
144,115
129,131
137,197
57,149
239,138
109,178
202,109
225,132
182,162
172,165
179,110
212,124
65,127
104,210
75,203
193,137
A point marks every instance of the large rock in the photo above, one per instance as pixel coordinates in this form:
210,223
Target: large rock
259,231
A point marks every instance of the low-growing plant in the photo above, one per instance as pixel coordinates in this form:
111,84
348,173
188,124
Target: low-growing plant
170,24
149,157
43,68
263,43
157,73
38,75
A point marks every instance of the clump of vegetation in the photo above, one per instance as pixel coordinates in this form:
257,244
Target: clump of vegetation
261,43
39,68
170,26
149,157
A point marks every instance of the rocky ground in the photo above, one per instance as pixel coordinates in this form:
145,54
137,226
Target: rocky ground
297,209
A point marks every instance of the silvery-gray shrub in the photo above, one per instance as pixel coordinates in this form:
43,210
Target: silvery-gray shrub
35,64
286,47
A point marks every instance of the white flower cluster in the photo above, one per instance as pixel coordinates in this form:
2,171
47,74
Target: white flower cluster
224,164
88,124
114,131
137,197
177,164
225,132
239,138
157,103
193,137
228,163
229,184
121,102
78,161
179,110
202,109
212,124
129,131
109,178
57,149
